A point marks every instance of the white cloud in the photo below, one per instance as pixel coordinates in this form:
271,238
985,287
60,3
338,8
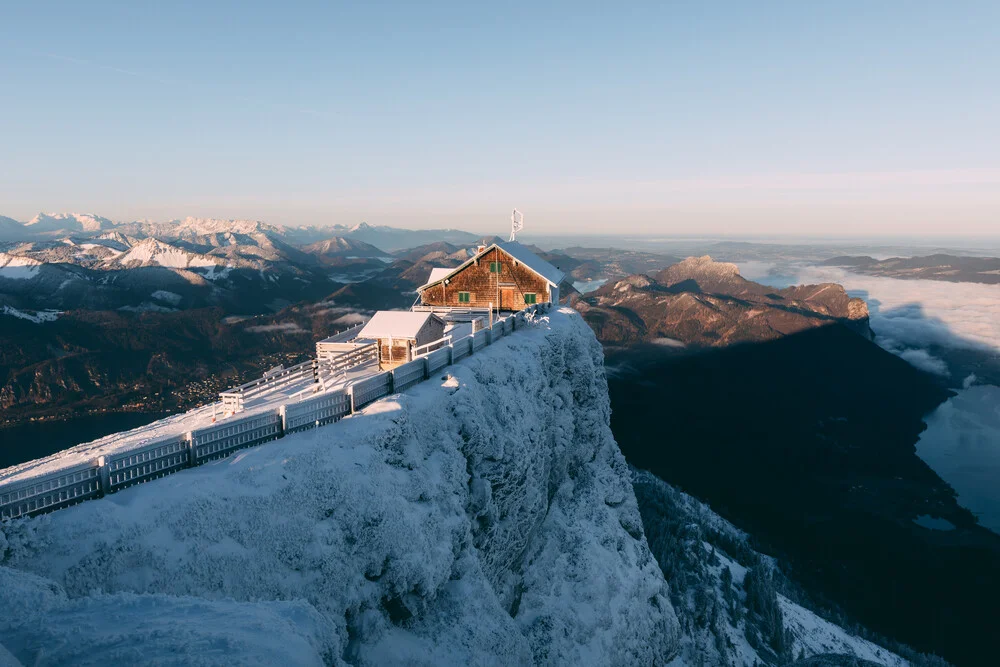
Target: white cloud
667,342
925,361
913,317
909,317
350,318
284,327
920,313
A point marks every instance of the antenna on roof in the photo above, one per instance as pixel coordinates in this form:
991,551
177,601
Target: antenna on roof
516,223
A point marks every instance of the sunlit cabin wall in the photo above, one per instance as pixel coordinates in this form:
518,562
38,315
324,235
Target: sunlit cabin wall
508,287
396,351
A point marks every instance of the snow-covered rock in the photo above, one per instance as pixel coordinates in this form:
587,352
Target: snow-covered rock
11,230
16,267
68,222
726,621
37,317
485,517
151,252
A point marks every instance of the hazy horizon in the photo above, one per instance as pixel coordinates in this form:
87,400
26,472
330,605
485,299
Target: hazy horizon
532,233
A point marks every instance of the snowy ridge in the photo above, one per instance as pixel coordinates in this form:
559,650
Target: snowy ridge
206,226
37,317
15,267
484,517
815,636
77,222
151,252
724,592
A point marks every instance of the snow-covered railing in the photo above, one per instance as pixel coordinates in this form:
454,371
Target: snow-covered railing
317,411
234,400
497,330
451,312
408,374
164,455
335,363
427,348
220,440
50,492
370,389
479,340
438,359
461,348
156,459
345,335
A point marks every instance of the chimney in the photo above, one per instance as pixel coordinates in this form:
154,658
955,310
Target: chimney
480,250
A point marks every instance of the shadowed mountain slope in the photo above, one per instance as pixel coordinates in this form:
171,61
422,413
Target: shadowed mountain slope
807,442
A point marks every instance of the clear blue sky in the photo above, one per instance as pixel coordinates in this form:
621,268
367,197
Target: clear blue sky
676,117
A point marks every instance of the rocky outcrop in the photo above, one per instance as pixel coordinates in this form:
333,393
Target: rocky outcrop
484,517
703,303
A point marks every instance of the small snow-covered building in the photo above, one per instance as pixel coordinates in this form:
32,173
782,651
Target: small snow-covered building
502,276
399,333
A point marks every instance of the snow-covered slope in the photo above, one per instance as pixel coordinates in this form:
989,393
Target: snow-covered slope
151,252
12,230
484,517
68,222
726,596
15,267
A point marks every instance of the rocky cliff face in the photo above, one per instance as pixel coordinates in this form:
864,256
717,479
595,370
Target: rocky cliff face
485,517
704,303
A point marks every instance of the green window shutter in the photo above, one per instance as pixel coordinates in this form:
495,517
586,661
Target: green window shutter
529,298
494,267
463,297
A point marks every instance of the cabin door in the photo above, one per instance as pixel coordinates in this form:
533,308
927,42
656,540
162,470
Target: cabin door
507,299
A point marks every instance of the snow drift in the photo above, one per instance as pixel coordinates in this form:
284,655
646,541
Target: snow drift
484,517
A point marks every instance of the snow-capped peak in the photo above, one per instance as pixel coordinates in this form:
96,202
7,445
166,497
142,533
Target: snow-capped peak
152,252
73,222
204,226
17,267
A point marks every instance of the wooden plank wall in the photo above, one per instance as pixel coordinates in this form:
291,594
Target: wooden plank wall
515,280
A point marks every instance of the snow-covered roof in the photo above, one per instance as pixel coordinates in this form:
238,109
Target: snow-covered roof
519,252
535,263
438,273
394,324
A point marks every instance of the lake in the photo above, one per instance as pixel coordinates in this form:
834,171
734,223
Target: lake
962,445
33,440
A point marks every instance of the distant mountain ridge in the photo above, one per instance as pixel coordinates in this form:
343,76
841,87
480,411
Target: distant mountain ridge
949,268
76,222
69,260
384,237
242,266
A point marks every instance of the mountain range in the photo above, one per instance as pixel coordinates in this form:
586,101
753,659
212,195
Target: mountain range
950,268
778,409
703,303
161,316
68,261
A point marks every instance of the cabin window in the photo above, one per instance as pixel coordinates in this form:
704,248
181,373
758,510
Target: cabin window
495,267
463,297
530,298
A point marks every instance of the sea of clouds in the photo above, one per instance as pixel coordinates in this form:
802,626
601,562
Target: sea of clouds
923,321
910,317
